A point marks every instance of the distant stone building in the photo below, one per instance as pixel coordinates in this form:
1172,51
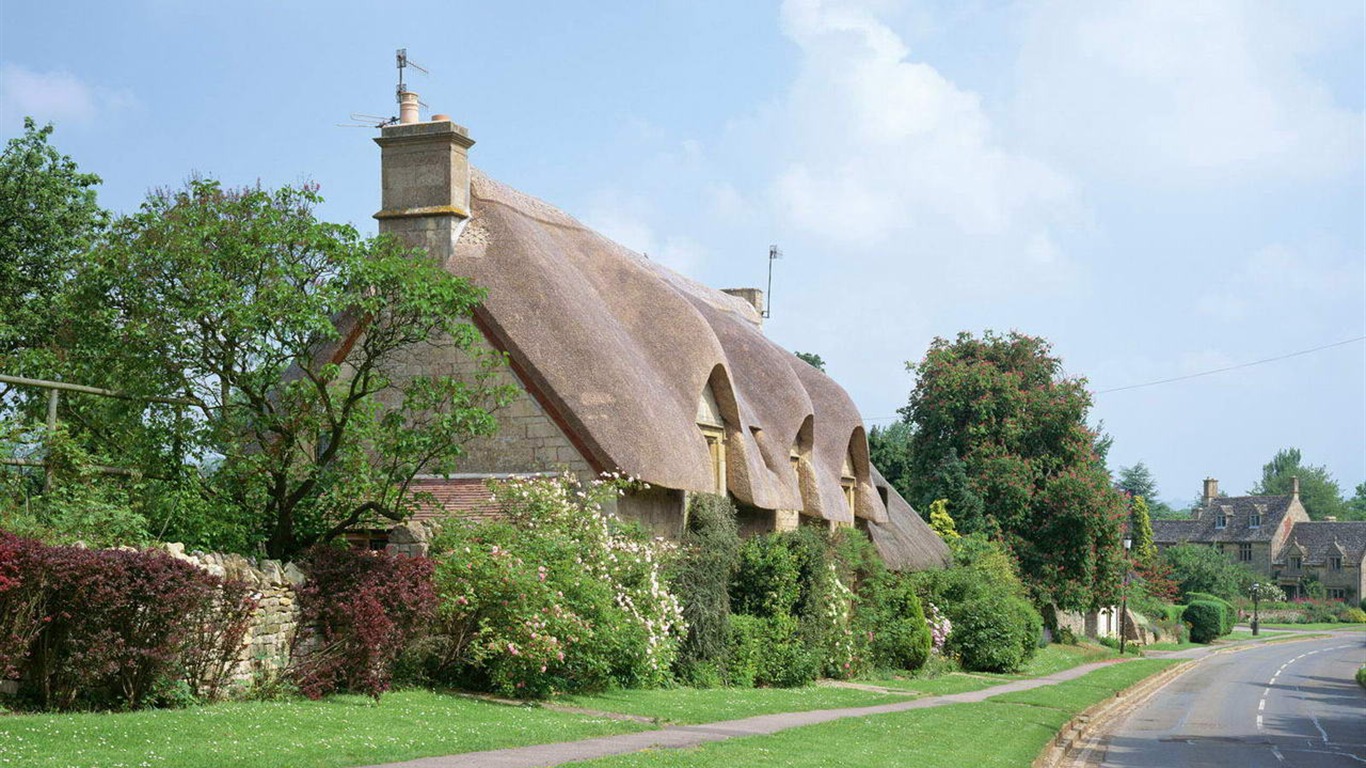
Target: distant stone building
621,365
1274,536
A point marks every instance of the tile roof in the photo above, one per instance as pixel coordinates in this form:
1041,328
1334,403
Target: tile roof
1239,512
1319,540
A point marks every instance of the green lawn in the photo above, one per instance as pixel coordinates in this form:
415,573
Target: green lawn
708,705
1004,732
1330,625
1048,660
341,731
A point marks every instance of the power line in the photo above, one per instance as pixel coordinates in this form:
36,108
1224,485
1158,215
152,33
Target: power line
1196,375
1232,367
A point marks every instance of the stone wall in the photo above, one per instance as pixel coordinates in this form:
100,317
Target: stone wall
266,648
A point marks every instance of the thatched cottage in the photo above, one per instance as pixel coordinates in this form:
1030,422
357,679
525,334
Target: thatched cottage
622,365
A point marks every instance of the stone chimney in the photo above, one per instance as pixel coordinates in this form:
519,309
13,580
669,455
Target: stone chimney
1211,490
425,181
754,296
1295,486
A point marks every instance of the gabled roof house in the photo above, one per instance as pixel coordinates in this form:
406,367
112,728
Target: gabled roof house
622,365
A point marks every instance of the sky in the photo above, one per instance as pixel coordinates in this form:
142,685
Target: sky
1160,189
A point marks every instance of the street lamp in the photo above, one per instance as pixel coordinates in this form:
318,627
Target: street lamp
1124,596
1256,596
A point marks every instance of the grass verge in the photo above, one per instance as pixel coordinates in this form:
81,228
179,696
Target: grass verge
339,731
1330,625
1003,732
708,705
1049,660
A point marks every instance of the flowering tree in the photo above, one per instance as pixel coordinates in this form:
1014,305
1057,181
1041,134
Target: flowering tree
1000,409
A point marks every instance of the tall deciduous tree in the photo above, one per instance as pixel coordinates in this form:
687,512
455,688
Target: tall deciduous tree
48,218
999,410
286,331
1319,492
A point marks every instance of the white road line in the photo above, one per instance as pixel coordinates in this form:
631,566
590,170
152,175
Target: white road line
1261,705
1259,722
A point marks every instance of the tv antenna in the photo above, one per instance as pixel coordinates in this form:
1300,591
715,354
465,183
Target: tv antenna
363,120
773,255
403,62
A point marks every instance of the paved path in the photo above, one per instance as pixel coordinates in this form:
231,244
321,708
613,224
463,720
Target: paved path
538,755
1283,704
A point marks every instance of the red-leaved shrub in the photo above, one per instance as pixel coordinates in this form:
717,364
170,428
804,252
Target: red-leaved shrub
362,609
89,628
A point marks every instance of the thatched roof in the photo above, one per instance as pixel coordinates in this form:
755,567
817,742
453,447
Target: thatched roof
618,349
905,541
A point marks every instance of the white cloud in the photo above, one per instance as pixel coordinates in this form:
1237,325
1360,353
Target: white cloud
54,96
625,220
881,150
1304,281
1170,91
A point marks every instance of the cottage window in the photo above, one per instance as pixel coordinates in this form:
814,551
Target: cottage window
1255,519
1336,593
711,421
1335,563
848,481
1220,520
1296,562
1245,553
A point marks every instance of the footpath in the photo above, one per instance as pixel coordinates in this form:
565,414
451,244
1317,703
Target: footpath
682,736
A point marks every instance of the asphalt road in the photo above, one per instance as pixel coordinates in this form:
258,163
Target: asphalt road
1282,705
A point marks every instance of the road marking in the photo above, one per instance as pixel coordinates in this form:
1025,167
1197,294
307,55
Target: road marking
1259,722
1261,705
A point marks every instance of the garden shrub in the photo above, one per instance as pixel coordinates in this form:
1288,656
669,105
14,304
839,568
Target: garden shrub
701,580
1206,620
994,626
362,609
100,629
1352,615
1361,677
767,578
769,651
559,597
1228,616
214,634
901,636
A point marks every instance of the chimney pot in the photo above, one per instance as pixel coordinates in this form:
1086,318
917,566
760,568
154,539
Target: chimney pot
1294,485
408,108
441,118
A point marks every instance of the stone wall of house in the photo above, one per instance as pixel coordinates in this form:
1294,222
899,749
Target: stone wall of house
659,510
266,648
527,440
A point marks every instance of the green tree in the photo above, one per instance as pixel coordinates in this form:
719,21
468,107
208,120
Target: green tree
1202,568
1356,506
284,330
940,520
48,218
812,359
1319,492
1137,481
889,450
1141,529
999,409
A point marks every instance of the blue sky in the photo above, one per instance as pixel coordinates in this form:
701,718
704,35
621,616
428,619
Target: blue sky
1159,188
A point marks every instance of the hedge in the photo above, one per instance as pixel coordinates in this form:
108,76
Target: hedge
1206,619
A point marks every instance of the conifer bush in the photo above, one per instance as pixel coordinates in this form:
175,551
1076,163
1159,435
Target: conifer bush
701,580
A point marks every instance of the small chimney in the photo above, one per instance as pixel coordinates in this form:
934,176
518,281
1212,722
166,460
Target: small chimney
753,296
1295,486
1211,490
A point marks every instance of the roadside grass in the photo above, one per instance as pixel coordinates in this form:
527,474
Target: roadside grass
339,731
1015,726
1049,660
688,706
1320,626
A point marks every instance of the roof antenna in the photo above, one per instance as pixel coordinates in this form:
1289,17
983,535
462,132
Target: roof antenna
773,255
363,120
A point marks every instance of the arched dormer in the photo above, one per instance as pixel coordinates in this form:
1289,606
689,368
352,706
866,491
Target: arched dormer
717,413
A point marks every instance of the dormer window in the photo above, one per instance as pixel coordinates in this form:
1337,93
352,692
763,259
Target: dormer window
712,424
1255,519
1296,562
1335,563
1221,520
848,481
